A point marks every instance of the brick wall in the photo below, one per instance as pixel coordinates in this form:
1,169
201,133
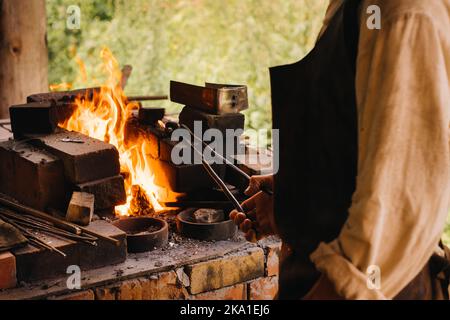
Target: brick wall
251,274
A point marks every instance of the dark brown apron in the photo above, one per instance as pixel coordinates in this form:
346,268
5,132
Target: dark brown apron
314,107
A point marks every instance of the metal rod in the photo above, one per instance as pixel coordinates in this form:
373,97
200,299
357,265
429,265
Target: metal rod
89,232
32,237
197,204
57,232
39,214
147,98
228,162
99,236
219,181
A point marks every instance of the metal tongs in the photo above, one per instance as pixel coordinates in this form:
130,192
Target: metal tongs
214,175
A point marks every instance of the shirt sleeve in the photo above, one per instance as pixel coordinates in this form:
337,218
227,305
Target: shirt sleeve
401,201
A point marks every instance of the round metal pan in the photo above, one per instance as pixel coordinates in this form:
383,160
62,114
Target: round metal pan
139,238
187,227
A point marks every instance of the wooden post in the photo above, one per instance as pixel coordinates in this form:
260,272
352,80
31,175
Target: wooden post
23,51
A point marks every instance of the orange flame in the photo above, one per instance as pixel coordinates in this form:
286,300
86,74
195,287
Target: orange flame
105,117
60,86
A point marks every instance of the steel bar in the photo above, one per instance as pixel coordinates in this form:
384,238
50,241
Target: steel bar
33,212
53,231
32,237
89,232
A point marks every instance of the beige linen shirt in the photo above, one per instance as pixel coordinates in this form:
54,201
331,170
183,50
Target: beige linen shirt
402,198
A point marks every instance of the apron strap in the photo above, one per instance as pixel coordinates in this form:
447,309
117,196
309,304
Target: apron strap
351,30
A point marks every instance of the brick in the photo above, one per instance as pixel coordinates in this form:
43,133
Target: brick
83,162
36,264
81,208
130,290
32,176
150,115
226,271
273,259
81,295
108,192
183,178
4,134
163,286
7,270
63,96
106,293
263,288
211,121
236,292
38,117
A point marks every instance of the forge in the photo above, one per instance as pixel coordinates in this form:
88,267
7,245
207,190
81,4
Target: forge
87,178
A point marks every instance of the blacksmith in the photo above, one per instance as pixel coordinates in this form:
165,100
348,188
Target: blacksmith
361,203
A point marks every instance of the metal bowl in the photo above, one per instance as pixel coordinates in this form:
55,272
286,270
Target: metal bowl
140,234
187,227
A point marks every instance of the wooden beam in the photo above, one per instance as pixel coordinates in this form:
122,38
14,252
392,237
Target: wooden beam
23,51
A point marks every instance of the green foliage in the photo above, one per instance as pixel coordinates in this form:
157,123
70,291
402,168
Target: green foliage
233,41
446,236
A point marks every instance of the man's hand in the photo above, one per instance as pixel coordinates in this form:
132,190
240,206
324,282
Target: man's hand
257,220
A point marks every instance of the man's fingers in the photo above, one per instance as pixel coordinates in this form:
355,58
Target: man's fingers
240,217
233,214
256,183
254,186
246,225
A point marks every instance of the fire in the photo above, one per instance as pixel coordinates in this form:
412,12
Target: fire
105,117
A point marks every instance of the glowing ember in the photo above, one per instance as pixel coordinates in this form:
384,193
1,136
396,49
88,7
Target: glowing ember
104,117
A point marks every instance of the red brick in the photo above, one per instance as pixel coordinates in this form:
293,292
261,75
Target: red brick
163,286
236,292
263,288
8,271
273,259
229,270
81,295
130,290
106,293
